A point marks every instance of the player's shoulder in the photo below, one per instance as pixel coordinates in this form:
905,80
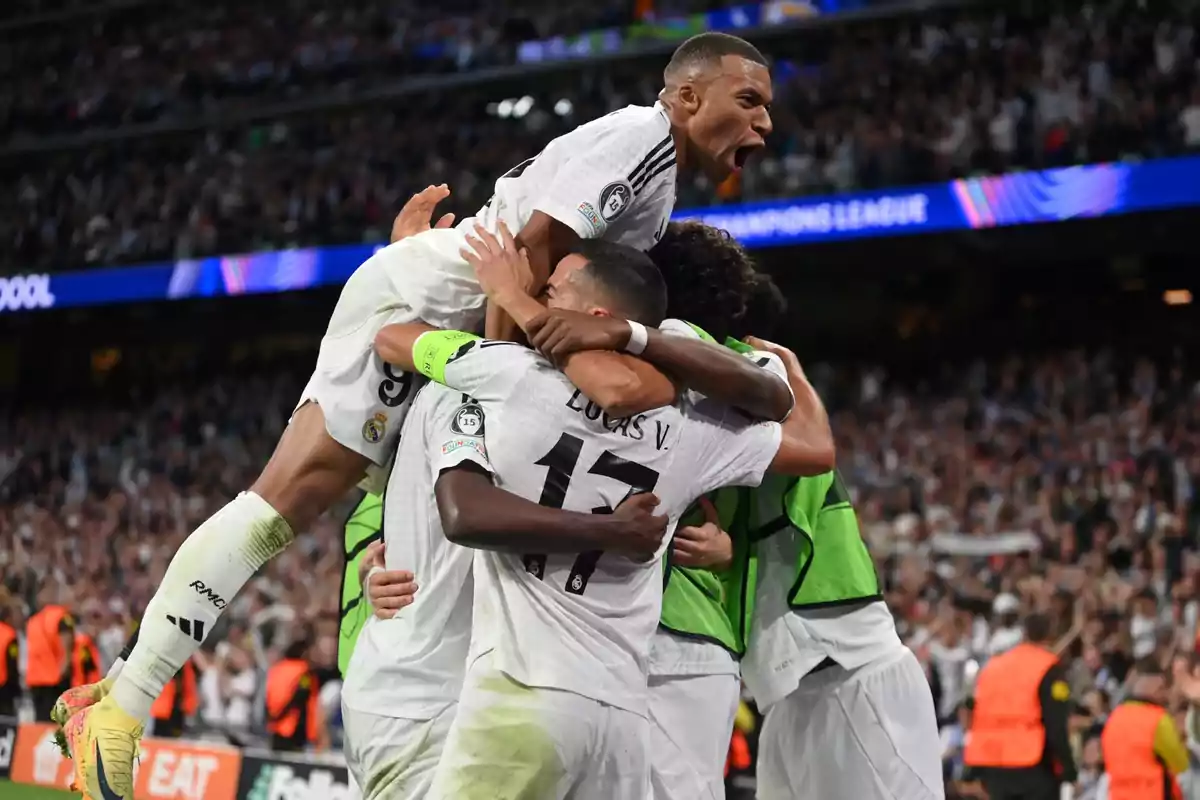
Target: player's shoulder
633,129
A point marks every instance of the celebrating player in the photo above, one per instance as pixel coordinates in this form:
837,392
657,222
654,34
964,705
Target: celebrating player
612,178
849,711
555,694
405,677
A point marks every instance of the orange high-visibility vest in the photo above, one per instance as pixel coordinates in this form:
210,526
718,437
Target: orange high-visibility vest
47,656
85,661
180,689
9,649
1006,725
1134,771
285,680
739,753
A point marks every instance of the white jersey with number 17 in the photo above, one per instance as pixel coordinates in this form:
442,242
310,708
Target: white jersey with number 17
582,623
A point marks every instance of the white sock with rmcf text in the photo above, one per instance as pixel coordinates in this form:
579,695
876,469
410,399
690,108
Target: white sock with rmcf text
207,572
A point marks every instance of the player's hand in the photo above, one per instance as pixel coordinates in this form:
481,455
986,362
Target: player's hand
640,532
388,590
558,333
790,362
501,267
705,545
418,211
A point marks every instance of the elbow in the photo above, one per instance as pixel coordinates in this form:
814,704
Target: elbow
459,525
619,397
823,459
809,457
386,346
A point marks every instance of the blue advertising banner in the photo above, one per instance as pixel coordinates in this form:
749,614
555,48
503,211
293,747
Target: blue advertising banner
1056,195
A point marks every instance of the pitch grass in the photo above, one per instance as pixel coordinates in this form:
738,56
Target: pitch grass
23,791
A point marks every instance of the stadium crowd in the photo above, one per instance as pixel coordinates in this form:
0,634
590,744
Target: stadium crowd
900,102
1062,483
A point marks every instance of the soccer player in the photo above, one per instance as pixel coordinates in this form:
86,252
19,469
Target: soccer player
404,677
392,739
849,712
612,178
555,694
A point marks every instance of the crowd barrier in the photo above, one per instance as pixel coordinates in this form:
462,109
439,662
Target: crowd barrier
176,769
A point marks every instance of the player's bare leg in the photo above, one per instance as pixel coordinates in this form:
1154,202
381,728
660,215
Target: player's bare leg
307,473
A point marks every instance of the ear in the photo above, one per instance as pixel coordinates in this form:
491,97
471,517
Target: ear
688,97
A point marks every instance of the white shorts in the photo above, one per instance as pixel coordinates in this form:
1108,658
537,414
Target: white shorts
421,278
515,742
392,758
691,722
864,734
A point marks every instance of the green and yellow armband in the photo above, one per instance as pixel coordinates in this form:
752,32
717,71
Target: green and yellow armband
433,350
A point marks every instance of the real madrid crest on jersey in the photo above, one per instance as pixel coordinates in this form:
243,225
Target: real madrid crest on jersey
615,198
468,421
374,429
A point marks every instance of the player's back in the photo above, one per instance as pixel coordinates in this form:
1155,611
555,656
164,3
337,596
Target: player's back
612,177
412,665
580,622
583,623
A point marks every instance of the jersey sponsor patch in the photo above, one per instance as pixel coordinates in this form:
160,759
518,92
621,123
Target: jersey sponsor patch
468,420
1060,691
615,198
592,217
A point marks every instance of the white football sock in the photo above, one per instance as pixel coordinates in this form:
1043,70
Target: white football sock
207,572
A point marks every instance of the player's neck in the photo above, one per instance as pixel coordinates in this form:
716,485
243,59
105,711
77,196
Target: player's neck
678,135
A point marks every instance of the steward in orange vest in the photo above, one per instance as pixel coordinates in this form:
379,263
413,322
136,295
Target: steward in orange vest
178,701
10,678
293,708
1017,745
1142,749
85,660
49,642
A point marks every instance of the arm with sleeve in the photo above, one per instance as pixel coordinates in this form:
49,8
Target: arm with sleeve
595,187
715,372
484,369
1054,693
1169,747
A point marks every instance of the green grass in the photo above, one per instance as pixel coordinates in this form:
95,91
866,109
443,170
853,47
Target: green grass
22,791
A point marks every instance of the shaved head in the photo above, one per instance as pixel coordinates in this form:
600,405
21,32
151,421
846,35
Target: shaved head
705,51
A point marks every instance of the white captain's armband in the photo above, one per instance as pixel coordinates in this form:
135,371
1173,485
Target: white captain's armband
433,350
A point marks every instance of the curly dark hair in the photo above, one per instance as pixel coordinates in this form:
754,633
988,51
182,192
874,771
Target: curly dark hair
765,307
709,276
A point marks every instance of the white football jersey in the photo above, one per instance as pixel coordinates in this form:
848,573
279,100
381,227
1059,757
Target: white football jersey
412,665
583,623
613,177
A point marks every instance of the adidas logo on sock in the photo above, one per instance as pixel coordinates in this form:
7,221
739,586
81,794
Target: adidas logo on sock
193,628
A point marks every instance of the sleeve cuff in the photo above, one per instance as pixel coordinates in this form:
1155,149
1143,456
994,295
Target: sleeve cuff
583,218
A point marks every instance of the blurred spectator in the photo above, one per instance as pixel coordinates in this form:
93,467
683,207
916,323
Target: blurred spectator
909,101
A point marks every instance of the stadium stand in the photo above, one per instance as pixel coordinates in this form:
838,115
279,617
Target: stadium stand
966,93
1016,438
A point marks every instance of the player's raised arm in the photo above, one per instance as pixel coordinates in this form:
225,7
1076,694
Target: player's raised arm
710,369
475,513
806,444
618,383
